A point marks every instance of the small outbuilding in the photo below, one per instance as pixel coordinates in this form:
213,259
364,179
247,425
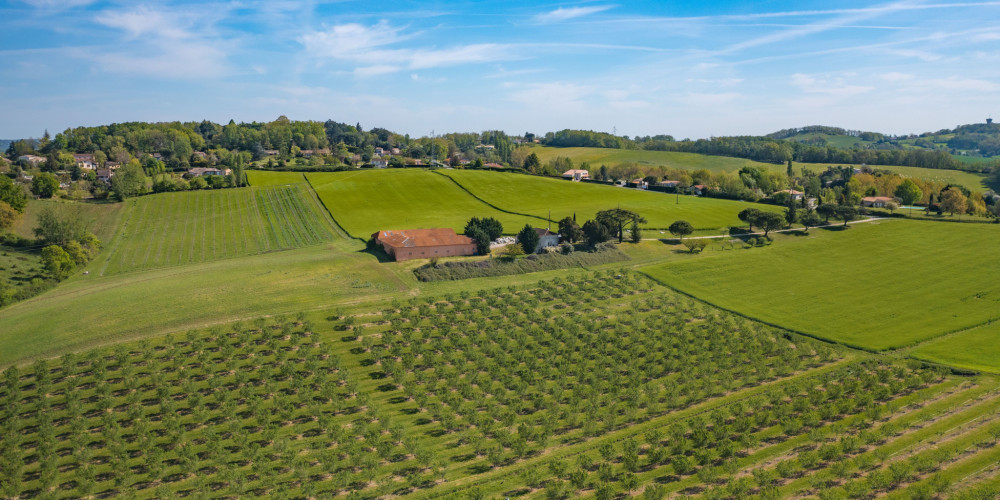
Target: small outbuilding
576,174
876,201
424,243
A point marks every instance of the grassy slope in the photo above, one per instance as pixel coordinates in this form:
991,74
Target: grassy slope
189,227
691,161
102,218
367,201
975,349
539,195
878,286
264,178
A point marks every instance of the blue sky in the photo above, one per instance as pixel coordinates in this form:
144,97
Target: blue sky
689,69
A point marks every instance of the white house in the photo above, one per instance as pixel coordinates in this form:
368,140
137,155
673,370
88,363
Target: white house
796,195
380,163
576,174
546,238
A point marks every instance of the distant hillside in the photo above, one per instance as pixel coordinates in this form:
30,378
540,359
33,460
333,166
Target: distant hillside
973,141
4,144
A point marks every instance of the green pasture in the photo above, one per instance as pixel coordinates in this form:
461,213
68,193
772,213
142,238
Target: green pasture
693,161
878,286
197,226
101,218
540,195
269,178
976,349
367,201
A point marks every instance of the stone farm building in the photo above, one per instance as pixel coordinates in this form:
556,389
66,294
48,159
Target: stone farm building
424,243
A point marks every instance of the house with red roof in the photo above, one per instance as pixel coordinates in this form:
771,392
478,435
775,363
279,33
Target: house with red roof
409,244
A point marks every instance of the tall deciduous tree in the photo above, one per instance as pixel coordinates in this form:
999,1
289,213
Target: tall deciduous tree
570,231
12,194
908,193
44,185
129,181
954,201
617,218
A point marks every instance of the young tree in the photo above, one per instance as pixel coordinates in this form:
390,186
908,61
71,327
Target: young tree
7,216
681,228
770,221
954,201
60,228
44,185
891,206
827,210
570,231
57,262
847,213
482,240
636,233
908,193
528,239
749,215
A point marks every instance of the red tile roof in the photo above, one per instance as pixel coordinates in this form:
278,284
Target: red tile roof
421,238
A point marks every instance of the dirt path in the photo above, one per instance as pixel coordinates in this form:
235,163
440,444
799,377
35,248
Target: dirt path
758,233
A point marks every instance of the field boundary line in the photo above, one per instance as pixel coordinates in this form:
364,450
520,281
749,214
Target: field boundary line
336,224
747,316
470,193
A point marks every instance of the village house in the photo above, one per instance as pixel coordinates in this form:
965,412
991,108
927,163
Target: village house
314,152
697,189
795,195
105,175
85,161
639,184
380,163
201,154
395,151
876,201
668,183
424,243
576,175
33,160
379,151
488,147
546,238
200,171
112,165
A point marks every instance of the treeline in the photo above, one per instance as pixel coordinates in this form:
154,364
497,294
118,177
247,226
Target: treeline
765,149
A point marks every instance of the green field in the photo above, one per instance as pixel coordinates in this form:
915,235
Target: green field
367,201
189,227
265,178
692,161
101,218
977,349
878,286
541,195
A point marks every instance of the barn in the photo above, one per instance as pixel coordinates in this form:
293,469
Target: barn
424,243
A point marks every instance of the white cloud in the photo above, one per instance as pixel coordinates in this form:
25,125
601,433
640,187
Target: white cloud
552,96
166,44
836,87
361,44
567,13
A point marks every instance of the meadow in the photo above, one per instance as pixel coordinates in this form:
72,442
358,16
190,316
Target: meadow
368,201
264,178
976,349
172,229
692,161
496,393
881,285
102,219
539,196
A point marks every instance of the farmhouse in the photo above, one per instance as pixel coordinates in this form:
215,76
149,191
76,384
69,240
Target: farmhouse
576,175
199,171
32,159
546,238
424,243
697,189
639,183
668,183
380,163
875,201
105,175
795,195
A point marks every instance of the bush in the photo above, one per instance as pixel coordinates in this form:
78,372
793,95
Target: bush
604,253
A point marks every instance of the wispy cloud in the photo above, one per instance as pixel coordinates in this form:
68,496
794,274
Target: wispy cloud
835,86
357,43
58,4
166,44
566,13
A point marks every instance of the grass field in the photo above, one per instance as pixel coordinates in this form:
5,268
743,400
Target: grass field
266,178
102,218
540,195
976,349
878,286
367,201
189,227
691,161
